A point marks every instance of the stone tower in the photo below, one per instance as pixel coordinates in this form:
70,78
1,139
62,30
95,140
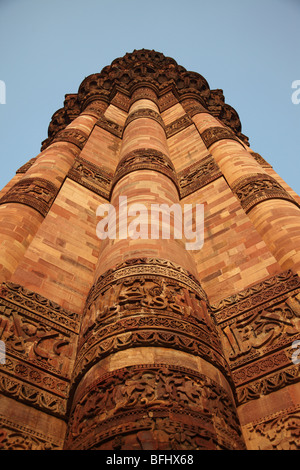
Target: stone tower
128,343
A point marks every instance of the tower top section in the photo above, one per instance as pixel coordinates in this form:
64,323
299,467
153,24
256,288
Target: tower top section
149,69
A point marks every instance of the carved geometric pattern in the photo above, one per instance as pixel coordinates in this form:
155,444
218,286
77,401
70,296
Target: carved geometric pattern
158,392
73,136
257,188
178,125
145,159
91,177
144,113
214,134
37,193
198,175
110,126
258,327
40,339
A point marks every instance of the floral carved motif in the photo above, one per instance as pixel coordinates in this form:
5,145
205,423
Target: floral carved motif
280,432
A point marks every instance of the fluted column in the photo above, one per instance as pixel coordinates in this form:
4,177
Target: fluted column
150,373
278,222
24,206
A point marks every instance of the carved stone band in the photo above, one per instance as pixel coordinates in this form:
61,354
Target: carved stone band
101,411
145,159
178,125
37,193
110,126
91,177
40,338
74,136
258,188
214,134
198,175
142,266
145,113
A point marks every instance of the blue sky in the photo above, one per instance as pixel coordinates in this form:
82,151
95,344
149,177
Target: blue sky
249,49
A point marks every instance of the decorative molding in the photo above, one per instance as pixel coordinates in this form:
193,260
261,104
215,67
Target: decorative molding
144,113
145,159
178,125
91,176
26,166
110,126
40,340
260,160
157,391
214,134
279,431
14,436
36,193
252,297
257,328
267,384
147,302
144,93
198,175
257,188
73,136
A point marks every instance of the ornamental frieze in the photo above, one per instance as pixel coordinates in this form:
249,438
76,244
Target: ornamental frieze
110,126
257,188
145,159
198,175
276,432
178,125
91,177
26,165
153,389
16,436
260,160
214,134
36,193
267,384
40,342
144,113
73,136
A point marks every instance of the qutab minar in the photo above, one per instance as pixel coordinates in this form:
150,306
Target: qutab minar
137,343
